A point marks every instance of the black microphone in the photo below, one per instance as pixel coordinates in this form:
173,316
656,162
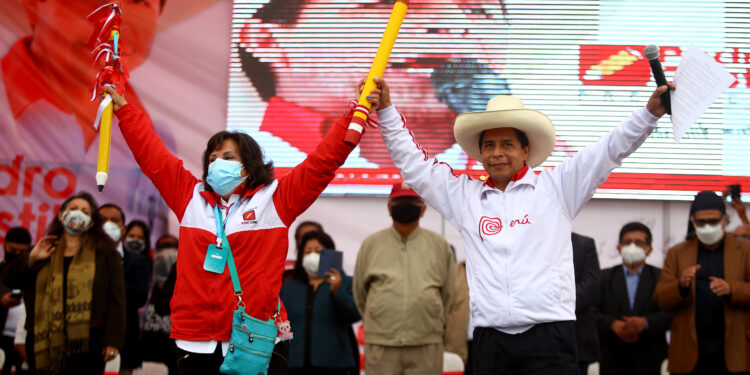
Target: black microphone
652,54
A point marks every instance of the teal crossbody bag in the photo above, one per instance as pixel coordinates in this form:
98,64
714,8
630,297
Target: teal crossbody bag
252,342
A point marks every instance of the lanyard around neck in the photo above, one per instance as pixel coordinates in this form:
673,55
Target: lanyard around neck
220,223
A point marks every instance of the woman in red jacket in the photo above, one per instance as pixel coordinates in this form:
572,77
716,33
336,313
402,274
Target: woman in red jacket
257,210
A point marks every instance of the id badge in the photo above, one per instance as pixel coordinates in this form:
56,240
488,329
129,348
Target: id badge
216,259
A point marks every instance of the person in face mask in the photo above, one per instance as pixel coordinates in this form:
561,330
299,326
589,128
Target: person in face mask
237,195
631,326
114,224
136,266
403,282
165,258
156,344
706,284
321,312
17,240
75,275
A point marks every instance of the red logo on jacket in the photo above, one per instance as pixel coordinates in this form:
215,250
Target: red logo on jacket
489,226
249,215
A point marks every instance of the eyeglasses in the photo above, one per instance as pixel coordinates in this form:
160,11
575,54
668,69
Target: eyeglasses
702,222
636,242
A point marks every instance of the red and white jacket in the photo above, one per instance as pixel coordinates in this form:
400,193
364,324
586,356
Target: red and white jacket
257,229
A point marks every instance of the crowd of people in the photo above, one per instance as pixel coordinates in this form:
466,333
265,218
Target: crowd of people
529,298
78,297
411,296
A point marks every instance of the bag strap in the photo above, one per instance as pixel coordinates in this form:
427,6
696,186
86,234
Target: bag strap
233,269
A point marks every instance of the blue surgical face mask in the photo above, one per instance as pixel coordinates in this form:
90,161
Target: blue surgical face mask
224,176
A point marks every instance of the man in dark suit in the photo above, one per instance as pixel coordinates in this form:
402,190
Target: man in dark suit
586,264
631,325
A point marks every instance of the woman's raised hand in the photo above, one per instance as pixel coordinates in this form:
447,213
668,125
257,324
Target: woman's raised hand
117,100
43,249
379,97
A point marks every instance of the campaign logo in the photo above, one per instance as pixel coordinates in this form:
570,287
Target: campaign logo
489,226
609,65
249,217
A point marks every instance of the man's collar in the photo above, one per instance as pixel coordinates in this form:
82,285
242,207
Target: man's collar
120,249
411,236
521,177
637,273
719,247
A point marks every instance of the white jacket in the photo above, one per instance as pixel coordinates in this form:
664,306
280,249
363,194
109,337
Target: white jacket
519,257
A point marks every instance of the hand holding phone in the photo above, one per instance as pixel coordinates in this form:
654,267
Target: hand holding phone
8,301
330,259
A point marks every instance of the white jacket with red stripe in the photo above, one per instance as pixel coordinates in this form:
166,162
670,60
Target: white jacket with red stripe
519,255
257,229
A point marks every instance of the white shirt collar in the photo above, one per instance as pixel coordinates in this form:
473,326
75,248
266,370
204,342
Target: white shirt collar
120,250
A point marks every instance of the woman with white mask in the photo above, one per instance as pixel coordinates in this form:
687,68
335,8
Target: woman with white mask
74,293
237,215
321,311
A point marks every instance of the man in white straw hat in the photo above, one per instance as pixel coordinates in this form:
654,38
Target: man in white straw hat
516,225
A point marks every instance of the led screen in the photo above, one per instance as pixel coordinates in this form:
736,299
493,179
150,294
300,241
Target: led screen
294,65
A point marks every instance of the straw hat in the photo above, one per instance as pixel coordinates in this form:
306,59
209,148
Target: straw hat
506,112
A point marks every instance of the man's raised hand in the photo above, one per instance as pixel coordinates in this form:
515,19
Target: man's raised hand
380,97
654,105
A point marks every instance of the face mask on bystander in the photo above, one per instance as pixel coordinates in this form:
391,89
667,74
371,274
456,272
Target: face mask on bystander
632,254
311,263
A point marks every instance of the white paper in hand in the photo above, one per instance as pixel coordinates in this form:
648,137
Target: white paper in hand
699,80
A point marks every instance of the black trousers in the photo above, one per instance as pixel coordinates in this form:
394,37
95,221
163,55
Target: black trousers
583,368
711,357
547,348
209,364
468,368
12,358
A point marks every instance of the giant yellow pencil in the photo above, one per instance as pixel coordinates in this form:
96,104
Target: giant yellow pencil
105,129
106,48
105,140
356,126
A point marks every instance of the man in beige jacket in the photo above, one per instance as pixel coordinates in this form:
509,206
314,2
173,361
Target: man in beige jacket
403,281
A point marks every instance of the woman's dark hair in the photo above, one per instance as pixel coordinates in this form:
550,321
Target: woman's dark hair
298,230
146,238
95,236
258,172
322,237
166,241
146,233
